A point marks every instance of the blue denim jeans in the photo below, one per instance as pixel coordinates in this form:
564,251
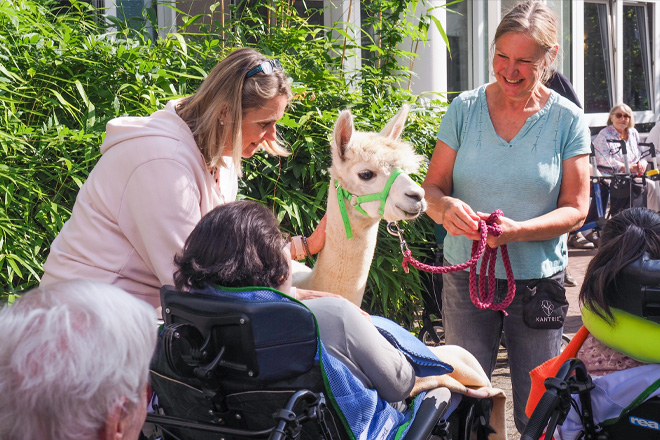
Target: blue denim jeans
479,331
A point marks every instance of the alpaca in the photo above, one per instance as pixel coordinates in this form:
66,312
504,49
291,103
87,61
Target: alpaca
362,164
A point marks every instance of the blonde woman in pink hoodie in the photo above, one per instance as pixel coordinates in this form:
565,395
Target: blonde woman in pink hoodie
158,175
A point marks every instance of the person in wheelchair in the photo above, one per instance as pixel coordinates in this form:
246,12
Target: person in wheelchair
610,160
619,343
239,245
620,126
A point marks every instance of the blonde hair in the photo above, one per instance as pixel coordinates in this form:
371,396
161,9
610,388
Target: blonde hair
537,21
215,112
627,110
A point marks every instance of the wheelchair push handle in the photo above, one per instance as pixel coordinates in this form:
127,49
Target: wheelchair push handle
543,412
552,409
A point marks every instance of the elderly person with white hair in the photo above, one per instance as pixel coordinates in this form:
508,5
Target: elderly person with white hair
609,158
74,363
620,126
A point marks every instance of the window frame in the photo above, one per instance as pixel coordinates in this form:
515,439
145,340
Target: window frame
615,34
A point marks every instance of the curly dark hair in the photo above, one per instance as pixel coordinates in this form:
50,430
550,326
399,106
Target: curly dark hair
238,244
623,240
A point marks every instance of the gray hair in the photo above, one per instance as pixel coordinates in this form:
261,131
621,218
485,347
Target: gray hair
215,112
70,353
538,22
626,109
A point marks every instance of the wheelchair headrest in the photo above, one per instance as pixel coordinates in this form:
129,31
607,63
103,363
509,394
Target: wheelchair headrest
639,289
636,310
252,333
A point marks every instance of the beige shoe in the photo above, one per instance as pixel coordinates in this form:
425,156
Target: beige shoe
593,237
578,241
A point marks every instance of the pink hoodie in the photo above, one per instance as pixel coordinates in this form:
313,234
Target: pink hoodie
133,214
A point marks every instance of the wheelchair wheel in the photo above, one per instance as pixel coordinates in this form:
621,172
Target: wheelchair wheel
432,334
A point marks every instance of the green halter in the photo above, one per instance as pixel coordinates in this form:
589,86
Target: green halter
343,195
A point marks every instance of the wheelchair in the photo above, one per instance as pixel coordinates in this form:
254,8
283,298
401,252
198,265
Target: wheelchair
249,365
623,404
641,422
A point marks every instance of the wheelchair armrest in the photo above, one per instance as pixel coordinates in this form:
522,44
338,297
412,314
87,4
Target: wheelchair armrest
432,408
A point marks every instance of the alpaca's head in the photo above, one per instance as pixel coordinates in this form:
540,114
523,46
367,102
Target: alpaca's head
363,163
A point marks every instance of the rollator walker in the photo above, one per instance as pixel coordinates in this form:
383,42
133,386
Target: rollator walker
625,189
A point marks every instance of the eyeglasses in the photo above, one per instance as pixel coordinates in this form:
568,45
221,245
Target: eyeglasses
621,115
267,67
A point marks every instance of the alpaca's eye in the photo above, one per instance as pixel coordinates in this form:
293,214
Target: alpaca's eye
366,175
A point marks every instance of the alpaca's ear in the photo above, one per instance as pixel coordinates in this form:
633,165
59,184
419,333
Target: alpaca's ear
394,128
343,133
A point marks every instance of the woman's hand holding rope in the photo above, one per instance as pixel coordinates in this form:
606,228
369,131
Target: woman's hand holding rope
508,227
459,219
482,296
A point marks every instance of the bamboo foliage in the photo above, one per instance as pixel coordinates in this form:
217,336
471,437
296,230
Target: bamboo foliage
64,73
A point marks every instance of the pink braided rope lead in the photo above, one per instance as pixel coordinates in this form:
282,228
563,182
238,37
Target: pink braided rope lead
479,248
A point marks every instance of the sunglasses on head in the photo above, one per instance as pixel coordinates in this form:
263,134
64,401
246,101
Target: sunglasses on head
621,115
267,67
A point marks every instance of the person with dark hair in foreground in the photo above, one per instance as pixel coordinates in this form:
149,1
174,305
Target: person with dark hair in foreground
74,363
240,244
616,346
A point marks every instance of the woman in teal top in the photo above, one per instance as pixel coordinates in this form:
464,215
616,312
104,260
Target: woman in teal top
517,146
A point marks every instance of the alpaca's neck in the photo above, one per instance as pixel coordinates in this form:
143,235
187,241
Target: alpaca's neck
343,265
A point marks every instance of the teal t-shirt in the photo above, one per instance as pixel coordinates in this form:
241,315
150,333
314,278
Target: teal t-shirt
521,177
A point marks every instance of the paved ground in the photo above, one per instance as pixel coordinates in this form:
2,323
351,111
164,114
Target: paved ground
578,259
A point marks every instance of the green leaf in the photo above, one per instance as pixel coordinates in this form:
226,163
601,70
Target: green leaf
10,75
182,41
82,93
443,34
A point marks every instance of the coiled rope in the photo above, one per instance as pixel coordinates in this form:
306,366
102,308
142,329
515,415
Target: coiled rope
483,296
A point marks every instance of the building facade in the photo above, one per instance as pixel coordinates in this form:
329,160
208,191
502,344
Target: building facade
608,47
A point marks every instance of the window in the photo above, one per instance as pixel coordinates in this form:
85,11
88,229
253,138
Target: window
458,75
636,58
564,12
597,59
129,11
617,56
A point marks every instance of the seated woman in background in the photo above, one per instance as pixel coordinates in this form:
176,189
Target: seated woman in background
609,159
615,344
620,126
